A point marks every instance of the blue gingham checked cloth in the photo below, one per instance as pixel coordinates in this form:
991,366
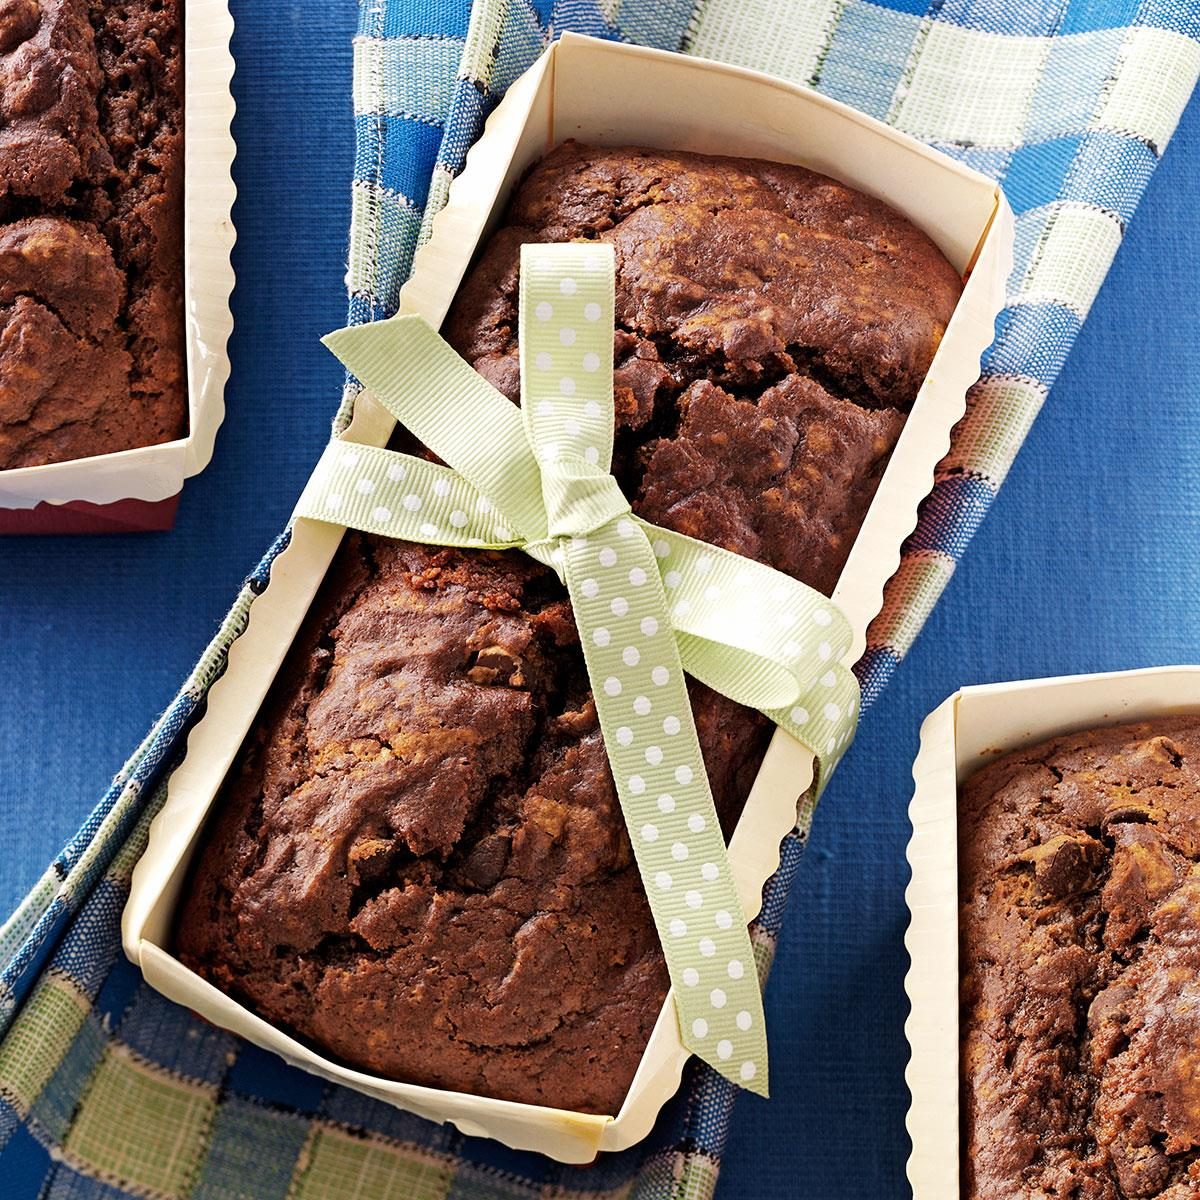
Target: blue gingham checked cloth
109,1091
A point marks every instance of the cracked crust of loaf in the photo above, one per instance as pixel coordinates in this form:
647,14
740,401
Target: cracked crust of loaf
419,864
1079,867
91,159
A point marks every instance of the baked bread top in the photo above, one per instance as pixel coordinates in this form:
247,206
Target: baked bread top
1080,959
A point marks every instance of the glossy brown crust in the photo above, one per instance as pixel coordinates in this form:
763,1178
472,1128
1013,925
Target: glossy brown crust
91,160
735,270
1079,865
419,863
773,326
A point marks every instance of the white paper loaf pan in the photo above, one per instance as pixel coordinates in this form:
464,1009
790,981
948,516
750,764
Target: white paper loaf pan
605,93
136,489
963,734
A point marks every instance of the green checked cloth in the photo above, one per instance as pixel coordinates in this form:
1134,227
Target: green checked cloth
107,1091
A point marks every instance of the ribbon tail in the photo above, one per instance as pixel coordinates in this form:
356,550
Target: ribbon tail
646,719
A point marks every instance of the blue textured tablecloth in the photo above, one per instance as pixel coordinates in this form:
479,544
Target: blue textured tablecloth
1088,561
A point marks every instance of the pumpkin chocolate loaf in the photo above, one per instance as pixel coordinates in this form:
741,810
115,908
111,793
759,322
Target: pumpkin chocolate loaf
419,864
91,228
1079,866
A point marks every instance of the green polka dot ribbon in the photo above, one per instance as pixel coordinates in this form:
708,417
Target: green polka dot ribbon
651,605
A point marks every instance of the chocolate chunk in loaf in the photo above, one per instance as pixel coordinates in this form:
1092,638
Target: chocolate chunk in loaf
419,864
1079,863
91,158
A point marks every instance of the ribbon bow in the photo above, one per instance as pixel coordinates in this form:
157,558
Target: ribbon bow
650,604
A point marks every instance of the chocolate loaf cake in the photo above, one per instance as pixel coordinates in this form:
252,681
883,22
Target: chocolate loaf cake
91,228
418,863
1079,867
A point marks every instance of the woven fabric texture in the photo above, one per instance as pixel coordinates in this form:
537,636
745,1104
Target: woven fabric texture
109,1091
